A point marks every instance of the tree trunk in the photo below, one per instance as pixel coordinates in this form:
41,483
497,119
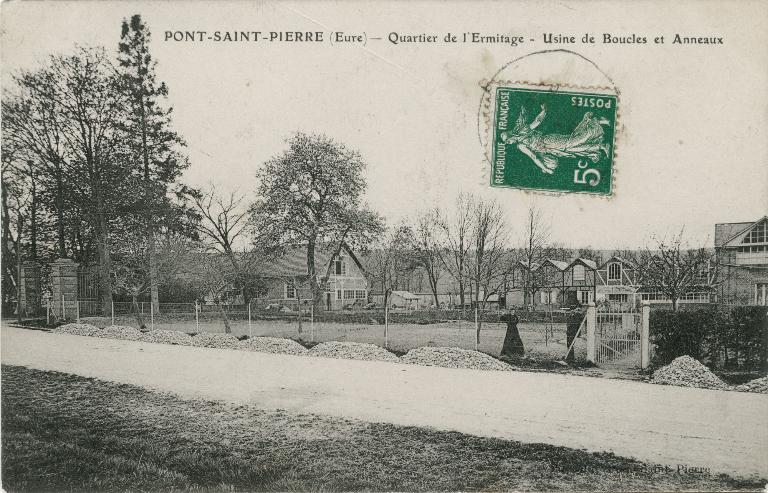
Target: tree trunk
60,213
298,298
33,216
139,318
153,290
224,317
154,296
312,272
18,269
433,286
105,262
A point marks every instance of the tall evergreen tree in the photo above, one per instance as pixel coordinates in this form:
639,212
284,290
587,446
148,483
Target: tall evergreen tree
151,140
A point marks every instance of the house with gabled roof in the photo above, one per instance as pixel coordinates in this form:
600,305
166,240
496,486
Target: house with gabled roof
287,278
742,261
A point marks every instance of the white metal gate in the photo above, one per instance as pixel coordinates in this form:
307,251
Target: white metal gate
617,334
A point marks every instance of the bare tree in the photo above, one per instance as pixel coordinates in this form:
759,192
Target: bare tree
456,234
675,269
393,261
533,250
33,126
489,256
427,250
224,223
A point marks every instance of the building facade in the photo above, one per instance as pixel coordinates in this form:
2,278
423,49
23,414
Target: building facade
742,262
288,279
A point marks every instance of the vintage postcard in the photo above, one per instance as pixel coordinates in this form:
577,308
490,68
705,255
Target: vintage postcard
384,246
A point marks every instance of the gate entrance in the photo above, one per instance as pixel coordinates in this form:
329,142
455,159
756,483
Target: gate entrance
617,335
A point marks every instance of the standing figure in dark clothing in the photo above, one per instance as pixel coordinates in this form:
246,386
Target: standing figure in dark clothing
573,322
513,344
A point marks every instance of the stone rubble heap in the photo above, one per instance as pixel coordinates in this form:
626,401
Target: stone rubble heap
453,357
758,385
78,329
168,337
687,372
352,350
273,345
221,341
120,332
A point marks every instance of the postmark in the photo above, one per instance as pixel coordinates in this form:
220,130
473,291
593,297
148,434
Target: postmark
555,138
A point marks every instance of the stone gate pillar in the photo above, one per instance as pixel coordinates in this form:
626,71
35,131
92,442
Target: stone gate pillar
591,332
645,335
31,294
64,284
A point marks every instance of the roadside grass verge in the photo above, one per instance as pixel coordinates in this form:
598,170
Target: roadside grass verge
63,432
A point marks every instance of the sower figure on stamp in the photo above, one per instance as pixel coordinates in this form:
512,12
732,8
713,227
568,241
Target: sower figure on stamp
513,344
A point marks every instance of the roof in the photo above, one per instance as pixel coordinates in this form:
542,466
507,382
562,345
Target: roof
616,258
590,264
293,263
556,263
407,295
725,232
524,264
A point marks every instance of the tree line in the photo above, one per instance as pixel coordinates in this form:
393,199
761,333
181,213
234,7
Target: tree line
92,170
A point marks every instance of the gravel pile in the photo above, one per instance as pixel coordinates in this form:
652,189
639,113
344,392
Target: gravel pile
759,385
78,329
120,332
167,337
453,357
352,350
273,345
687,372
221,341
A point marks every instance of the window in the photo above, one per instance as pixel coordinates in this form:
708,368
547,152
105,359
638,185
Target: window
579,273
338,294
585,297
340,266
547,297
761,294
355,294
290,290
622,298
758,235
614,271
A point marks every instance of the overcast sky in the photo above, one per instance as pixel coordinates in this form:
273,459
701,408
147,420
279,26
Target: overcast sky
692,149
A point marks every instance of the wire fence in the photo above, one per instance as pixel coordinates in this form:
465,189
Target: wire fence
543,332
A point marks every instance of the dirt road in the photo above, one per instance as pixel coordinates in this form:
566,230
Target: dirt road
722,431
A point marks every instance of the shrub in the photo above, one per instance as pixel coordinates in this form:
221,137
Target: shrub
728,337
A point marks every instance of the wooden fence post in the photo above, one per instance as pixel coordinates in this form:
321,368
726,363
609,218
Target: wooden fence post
591,328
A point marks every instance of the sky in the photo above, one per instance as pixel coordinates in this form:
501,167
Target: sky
691,148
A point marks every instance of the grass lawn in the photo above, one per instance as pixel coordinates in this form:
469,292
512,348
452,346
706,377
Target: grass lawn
62,433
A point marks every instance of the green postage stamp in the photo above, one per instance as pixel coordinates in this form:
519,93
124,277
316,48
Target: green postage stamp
553,138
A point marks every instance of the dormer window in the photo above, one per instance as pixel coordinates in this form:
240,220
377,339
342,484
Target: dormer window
340,266
614,271
758,235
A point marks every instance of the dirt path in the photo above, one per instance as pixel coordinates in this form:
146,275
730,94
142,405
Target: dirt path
722,431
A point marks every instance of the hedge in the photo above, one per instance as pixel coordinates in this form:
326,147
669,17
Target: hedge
723,337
